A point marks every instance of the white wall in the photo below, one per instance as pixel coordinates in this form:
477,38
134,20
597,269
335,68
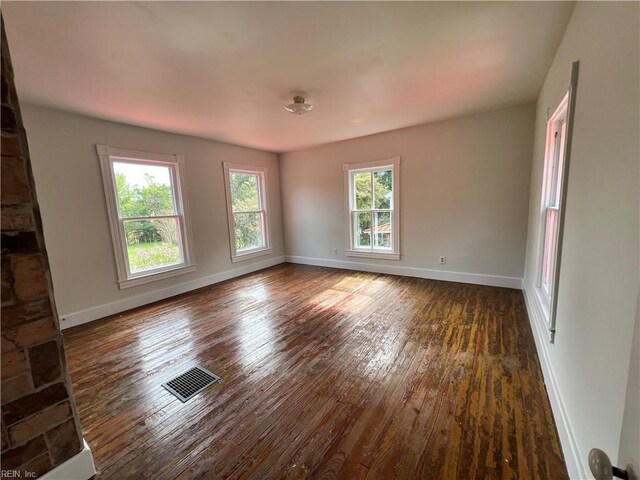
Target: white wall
76,227
586,368
629,453
464,194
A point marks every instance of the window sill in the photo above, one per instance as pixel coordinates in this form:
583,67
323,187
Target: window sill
370,254
152,277
251,254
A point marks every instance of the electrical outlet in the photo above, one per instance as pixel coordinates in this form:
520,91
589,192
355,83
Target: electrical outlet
443,260
335,251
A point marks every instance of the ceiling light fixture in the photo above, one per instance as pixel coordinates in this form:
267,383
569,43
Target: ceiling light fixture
298,106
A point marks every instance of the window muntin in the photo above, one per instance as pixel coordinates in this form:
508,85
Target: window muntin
247,210
149,224
551,196
372,211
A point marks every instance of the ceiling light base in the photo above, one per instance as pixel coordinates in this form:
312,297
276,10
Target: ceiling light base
298,107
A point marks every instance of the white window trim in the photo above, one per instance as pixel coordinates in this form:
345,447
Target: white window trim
349,169
549,305
544,295
262,175
126,279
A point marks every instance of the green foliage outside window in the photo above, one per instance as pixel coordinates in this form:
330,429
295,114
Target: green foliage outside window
373,190
151,243
245,203
148,200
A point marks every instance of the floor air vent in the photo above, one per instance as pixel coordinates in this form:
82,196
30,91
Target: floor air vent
190,383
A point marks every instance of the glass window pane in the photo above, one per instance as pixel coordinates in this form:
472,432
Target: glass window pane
362,230
249,230
245,193
152,243
383,189
362,190
143,190
382,230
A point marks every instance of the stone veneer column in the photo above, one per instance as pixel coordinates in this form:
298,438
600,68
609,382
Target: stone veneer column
40,426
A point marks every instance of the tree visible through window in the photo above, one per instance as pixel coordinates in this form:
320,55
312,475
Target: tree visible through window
247,210
373,197
148,212
150,229
373,201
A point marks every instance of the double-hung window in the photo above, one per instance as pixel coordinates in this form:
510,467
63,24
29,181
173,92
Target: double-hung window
554,166
247,211
146,203
373,217
557,157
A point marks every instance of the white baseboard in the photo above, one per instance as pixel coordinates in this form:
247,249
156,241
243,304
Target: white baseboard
568,441
476,278
100,311
78,467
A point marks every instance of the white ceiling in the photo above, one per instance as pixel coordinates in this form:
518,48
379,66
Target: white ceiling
225,70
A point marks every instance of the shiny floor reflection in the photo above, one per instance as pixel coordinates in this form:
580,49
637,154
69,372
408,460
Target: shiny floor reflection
326,374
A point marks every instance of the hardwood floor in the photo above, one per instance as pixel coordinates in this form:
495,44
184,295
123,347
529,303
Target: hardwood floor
326,374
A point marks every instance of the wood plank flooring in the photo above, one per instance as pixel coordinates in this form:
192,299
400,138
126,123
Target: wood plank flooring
326,374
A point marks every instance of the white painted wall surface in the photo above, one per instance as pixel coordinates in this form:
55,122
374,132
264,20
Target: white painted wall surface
66,169
587,367
464,194
629,453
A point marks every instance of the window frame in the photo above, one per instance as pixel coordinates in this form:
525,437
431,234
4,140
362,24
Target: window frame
553,175
553,200
350,169
261,173
125,278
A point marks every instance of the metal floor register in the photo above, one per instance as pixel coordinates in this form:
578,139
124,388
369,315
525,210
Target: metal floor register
188,384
